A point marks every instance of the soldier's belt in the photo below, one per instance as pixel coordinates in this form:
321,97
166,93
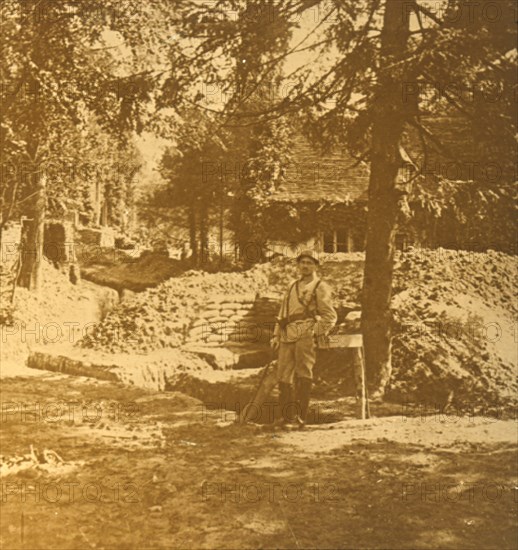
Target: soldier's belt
285,321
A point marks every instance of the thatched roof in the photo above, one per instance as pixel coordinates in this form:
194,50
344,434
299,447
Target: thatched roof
316,178
338,178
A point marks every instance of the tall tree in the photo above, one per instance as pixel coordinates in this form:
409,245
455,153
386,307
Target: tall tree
229,44
389,114
260,147
196,181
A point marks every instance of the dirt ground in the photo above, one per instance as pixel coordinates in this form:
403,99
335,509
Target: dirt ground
156,470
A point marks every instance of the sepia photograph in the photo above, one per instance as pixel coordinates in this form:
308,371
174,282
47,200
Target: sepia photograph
258,272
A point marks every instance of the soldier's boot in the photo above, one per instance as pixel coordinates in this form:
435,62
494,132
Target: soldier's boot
303,392
285,403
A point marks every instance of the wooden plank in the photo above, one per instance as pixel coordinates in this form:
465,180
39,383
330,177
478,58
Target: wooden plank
345,341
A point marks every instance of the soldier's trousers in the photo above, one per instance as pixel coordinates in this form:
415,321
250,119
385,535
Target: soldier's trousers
296,358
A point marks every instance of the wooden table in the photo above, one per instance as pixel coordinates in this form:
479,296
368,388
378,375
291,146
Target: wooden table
338,342
353,341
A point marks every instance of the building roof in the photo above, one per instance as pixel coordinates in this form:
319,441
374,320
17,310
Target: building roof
452,142
316,178
338,178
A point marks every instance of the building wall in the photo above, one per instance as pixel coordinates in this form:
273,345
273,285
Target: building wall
103,237
292,250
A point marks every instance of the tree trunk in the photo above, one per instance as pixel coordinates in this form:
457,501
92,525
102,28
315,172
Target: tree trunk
32,248
192,234
204,234
221,226
5,214
248,237
389,117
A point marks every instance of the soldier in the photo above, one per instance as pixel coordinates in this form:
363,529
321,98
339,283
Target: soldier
305,318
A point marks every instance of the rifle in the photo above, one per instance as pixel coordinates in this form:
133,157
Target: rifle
266,383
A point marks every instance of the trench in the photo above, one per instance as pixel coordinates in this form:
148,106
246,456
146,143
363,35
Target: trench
224,377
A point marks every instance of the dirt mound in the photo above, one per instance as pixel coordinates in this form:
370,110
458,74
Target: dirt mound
343,271
454,328
160,317
61,312
131,270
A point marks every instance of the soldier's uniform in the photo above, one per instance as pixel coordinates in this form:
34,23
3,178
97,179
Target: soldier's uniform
305,318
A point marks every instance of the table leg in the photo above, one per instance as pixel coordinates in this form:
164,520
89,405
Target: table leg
364,403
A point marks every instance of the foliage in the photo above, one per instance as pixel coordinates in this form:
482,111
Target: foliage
81,161
228,48
60,73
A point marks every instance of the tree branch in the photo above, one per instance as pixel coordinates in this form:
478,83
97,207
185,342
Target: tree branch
427,12
431,136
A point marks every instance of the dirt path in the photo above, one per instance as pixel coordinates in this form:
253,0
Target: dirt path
155,470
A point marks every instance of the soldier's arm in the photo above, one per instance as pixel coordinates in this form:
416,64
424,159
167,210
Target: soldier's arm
325,310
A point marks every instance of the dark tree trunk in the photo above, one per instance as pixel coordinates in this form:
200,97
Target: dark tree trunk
221,226
249,239
204,234
390,113
192,234
31,261
5,214
32,248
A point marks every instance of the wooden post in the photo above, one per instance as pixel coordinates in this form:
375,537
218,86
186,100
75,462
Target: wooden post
354,341
364,390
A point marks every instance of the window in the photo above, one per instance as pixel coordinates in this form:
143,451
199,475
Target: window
329,242
342,240
337,241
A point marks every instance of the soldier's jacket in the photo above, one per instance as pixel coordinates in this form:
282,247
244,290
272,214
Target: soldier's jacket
313,301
